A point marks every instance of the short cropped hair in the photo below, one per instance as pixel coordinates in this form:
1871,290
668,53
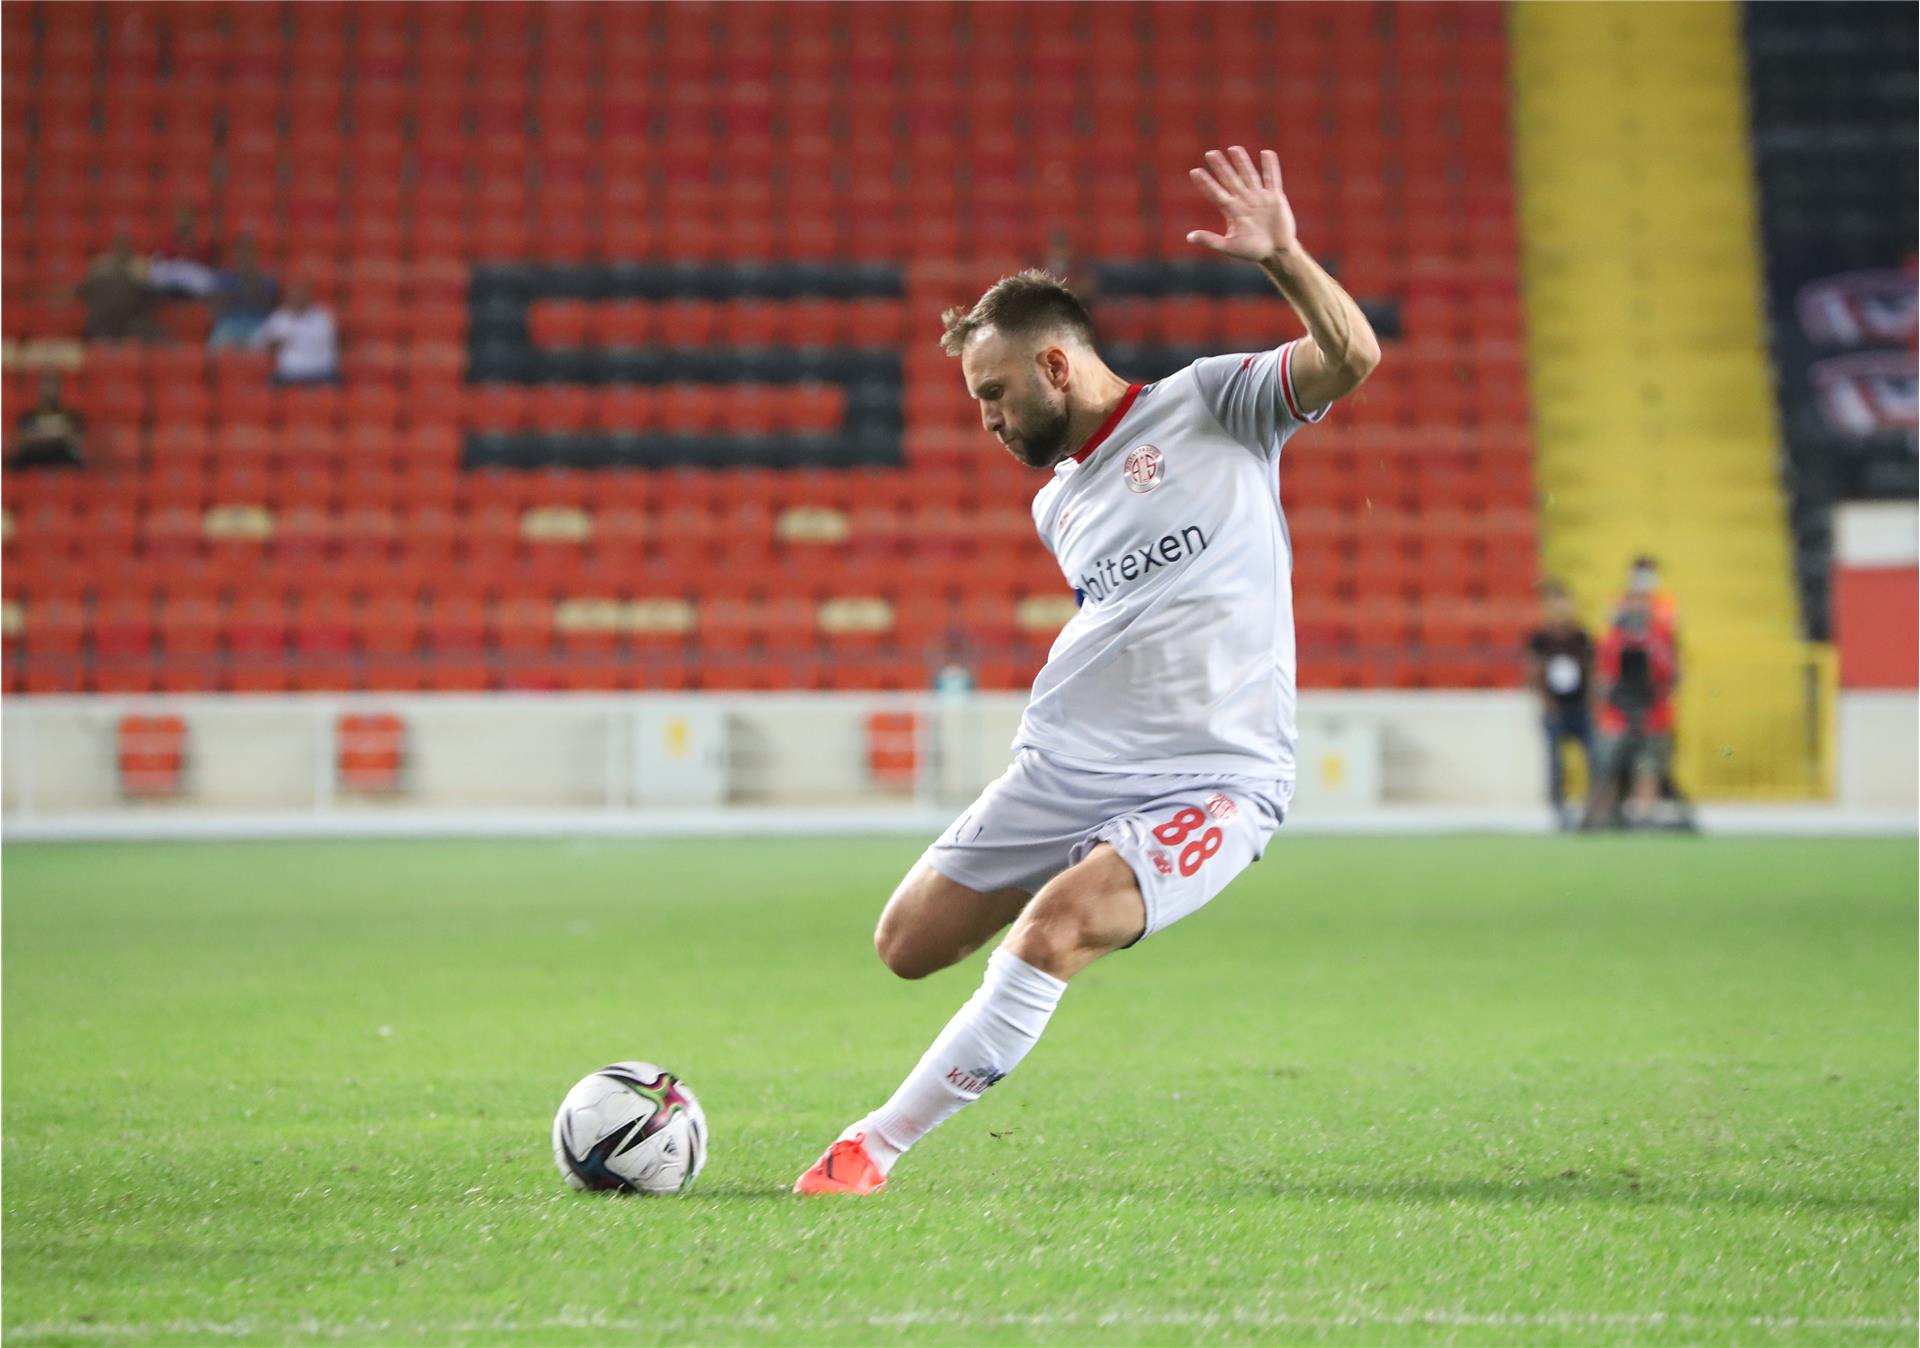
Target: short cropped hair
1025,303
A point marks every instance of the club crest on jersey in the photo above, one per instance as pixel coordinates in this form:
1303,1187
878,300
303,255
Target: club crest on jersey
1221,808
1144,468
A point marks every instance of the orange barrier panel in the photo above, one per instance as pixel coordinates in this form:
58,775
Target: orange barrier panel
893,748
1874,627
152,755
372,751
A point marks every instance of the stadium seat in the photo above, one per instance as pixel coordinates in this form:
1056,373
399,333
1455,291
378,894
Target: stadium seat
122,628
189,628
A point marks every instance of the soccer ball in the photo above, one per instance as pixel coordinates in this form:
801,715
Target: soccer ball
633,1127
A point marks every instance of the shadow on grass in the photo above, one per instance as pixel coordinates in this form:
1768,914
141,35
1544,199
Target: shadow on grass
1580,1187
737,1193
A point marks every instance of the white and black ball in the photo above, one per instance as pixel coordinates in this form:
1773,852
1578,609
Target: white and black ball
631,1127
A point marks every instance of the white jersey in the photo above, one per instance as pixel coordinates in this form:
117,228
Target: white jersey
1168,526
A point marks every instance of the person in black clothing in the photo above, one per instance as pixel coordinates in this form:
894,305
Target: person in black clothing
48,436
1560,671
118,297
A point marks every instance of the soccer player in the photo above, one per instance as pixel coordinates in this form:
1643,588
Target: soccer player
1155,758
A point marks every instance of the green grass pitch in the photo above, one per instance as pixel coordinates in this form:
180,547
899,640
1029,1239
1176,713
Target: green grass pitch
1384,1091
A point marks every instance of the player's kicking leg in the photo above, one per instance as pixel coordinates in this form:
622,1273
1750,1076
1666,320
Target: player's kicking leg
1087,911
1108,859
931,922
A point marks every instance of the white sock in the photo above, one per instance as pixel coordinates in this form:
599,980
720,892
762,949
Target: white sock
984,1041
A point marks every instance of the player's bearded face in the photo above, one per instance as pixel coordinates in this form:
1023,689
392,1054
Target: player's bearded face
1039,426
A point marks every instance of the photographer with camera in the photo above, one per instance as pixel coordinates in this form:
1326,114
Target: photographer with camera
1635,671
1560,673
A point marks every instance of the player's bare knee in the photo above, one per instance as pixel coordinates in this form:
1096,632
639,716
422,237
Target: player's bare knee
912,964
910,954
896,950
1062,932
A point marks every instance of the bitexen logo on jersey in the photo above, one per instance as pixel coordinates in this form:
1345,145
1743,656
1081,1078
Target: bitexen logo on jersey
1109,574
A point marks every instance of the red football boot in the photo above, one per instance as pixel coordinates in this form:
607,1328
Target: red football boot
845,1169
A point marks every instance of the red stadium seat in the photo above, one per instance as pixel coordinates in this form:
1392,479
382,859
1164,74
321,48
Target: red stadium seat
189,626
123,628
323,627
257,628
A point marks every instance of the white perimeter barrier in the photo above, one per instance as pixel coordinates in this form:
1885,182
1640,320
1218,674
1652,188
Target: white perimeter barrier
748,763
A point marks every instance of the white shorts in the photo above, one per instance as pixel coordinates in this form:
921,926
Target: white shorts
1185,836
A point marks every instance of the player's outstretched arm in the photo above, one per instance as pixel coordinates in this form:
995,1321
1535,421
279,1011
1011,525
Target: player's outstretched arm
1340,348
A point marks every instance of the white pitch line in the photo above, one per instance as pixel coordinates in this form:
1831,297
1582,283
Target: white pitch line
1563,1320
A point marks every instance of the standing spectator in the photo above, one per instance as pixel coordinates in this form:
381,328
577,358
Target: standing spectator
119,301
243,297
1643,577
1560,672
1635,673
48,436
186,265
305,343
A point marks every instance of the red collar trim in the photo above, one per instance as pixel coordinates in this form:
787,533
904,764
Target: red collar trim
1095,440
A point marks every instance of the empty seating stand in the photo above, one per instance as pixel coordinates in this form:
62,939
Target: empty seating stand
641,381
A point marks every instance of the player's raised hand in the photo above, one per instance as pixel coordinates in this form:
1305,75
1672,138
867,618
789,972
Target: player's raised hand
1259,220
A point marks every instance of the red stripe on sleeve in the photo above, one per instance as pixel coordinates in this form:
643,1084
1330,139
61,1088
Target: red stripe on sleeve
1286,380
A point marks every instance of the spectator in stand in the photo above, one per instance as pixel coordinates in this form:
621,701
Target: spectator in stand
118,298
49,435
242,298
1635,673
304,341
187,265
1560,672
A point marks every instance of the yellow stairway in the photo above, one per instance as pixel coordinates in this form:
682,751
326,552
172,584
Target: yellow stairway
1655,420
